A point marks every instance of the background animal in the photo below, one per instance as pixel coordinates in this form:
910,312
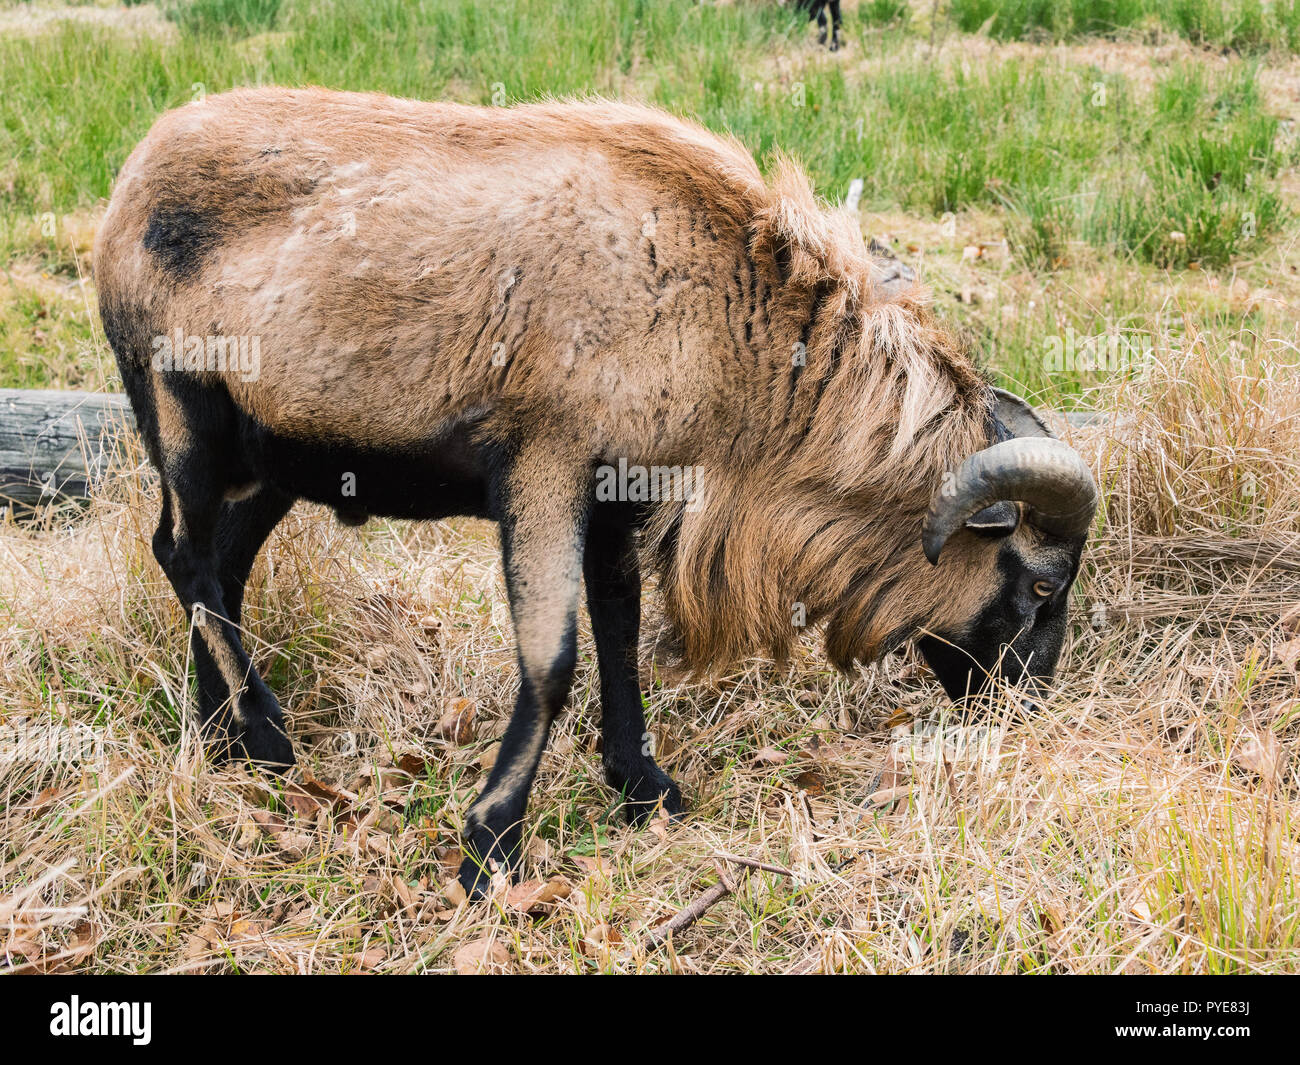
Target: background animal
817,9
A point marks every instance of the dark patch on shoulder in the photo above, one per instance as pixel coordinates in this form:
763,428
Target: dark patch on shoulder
180,238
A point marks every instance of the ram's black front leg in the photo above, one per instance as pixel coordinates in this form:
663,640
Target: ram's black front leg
541,504
614,601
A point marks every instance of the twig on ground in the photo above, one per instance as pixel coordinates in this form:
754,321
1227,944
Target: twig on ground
754,864
691,913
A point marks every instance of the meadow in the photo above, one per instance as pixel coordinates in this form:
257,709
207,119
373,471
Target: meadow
1102,196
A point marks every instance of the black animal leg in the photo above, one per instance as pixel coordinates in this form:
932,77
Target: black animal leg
543,519
614,601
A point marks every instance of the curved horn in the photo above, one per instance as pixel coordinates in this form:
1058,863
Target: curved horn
1042,472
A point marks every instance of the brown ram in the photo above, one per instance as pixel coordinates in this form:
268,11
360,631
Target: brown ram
529,315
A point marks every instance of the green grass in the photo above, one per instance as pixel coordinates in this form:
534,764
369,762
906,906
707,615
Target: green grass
1063,344
1017,19
46,341
1080,166
884,12
1078,154
1241,25
238,18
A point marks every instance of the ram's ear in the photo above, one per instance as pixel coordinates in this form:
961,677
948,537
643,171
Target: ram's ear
1018,416
995,522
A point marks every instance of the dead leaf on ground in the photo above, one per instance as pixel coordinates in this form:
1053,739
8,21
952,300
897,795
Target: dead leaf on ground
311,795
223,928
405,893
21,936
836,754
457,723
1287,654
413,765
293,842
367,960
455,892
592,866
268,822
770,756
201,943
83,935
300,802
895,780
1259,752
48,797
481,956
1291,621
810,782
326,793
659,824
897,770
897,719
601,941
538,896
887,796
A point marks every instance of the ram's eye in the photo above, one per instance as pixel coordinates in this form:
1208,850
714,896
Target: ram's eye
1044,589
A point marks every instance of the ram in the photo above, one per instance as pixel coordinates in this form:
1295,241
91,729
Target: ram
495,312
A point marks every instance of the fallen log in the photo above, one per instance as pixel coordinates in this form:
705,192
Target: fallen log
54,444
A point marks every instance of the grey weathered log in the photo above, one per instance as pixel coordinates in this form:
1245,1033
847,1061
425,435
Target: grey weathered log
53,444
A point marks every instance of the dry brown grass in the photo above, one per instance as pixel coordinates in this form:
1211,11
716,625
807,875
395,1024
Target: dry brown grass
1144,822
28,19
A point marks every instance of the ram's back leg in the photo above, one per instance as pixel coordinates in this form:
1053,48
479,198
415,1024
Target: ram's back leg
206,546
613,580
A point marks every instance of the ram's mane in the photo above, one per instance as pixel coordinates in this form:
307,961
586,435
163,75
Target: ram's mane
818,518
